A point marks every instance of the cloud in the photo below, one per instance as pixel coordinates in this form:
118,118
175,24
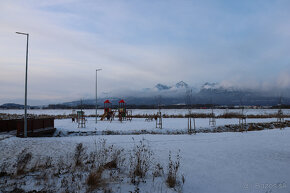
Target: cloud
140,44
284,80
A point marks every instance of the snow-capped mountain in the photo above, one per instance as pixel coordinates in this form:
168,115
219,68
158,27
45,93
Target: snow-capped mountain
216,87
207,93
209,85
161,87
181,84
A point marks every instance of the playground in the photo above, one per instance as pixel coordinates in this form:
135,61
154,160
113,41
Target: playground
120,121
212,145
121,113
142,126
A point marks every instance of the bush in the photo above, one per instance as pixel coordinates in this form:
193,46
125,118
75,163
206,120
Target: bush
106,156
158,171
172,174
140,161
95,179
77,172
22,161
80,153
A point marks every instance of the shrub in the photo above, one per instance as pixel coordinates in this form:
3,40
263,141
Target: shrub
140,161
157,171
94,179
22,161
79,155
106,156
172,174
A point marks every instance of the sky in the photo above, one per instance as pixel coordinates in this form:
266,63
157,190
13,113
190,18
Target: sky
138,44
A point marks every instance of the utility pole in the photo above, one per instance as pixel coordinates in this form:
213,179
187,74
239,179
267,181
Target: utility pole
25,100
97,94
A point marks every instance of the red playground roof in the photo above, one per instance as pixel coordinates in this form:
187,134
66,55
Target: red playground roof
107,101
122,101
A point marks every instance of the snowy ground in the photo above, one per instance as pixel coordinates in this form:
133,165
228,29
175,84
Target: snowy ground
255,161
139,124
147,111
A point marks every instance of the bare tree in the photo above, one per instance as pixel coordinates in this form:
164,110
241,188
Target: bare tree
212,120
158,116
280,116
190,119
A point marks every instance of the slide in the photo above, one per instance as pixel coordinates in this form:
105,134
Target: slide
104,116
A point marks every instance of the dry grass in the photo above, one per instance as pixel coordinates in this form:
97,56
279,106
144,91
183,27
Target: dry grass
22,161
80,171
80,154
140,161
172,173
95,180
157,171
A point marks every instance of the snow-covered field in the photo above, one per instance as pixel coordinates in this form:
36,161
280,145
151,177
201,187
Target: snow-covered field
255,161
139,124
147,111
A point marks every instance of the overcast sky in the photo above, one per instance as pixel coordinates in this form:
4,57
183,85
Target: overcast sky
139,44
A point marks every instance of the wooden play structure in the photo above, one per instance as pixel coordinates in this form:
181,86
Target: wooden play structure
158,119
81,120
110,113
123,113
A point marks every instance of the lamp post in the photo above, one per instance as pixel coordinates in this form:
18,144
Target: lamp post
25,101
97,94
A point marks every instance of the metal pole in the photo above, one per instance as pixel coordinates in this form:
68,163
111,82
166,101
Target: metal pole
97,94
25,113
25,100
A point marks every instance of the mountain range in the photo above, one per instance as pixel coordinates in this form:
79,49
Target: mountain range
178,94
179,85
208,93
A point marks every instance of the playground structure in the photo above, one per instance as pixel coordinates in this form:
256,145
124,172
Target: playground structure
110,113
79,117
158,119
123,113
81,120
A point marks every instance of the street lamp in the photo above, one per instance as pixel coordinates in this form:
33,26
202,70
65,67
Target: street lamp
25,101
97,94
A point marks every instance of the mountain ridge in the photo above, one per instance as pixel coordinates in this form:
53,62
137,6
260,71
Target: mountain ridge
208,93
